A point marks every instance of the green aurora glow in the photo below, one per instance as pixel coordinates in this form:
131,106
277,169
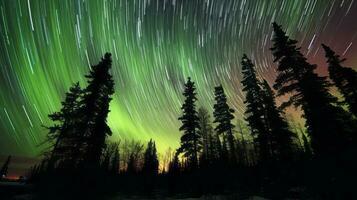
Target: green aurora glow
47,45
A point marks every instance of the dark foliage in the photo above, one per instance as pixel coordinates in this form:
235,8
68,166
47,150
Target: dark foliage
344,78
190,140
281,137
151,162
67,141
96,98
255,110
327,123
223,116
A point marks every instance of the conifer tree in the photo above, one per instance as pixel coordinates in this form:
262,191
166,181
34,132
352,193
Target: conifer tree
174,166
5,167
96,98
282,137
223,116
64,134
151,163
205,132
344,78
131,164
255,111
115,162
326,123
215,148
190,140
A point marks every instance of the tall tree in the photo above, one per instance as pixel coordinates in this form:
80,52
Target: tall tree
96,99
255,111
326,122
66,138
282,137
344,78
223,116
205,132
190,140
5,167
151,163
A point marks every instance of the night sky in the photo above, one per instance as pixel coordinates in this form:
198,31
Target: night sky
47,45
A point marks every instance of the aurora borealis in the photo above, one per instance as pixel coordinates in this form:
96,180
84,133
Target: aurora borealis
47,45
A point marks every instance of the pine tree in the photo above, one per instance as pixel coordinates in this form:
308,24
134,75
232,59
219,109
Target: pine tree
255,111
190,145
344,78
326,122
64,134
96,98
282,137
223,115
5,167
205,132
151,163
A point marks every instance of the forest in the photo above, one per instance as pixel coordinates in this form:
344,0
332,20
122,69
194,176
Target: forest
264,154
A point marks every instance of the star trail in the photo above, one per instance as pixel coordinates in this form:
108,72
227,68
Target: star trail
46,46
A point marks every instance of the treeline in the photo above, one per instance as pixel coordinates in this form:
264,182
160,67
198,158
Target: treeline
331,128
262,154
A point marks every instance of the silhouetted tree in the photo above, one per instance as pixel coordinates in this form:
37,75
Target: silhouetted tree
205,132
66,138
115,162
5,167
131,165
255,111
96,100
174,166
190,140
216,149
326,123
281,136
223,116
110,158
132,153
242,146
151,162
344,78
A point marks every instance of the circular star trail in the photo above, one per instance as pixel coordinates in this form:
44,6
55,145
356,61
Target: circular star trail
45,46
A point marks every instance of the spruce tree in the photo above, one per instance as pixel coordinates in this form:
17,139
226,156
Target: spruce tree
281,136
5,167
96,99
190,140
66,138
255,111
326,123
344,78
205,132
223,116
151,163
